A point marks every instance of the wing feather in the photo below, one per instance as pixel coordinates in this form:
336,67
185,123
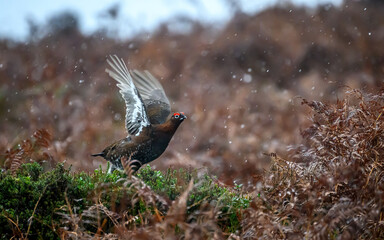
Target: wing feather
136,116
154,98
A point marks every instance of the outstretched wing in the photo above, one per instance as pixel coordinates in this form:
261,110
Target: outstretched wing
136,116
155,100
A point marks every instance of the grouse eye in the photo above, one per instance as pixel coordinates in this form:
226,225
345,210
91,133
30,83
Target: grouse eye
176,115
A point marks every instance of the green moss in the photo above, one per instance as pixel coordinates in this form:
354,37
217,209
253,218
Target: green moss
20,193
174,182
49,192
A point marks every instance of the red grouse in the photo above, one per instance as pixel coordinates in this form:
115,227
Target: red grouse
146,120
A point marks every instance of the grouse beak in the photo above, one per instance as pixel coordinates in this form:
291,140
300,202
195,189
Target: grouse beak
183,116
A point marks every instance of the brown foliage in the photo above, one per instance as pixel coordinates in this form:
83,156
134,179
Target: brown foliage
237,85
29,150
333,185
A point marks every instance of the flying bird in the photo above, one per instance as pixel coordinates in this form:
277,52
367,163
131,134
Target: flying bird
147,120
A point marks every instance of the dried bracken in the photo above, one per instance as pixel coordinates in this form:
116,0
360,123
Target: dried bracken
29,150
332,186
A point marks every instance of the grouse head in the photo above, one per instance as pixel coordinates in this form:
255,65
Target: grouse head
178,117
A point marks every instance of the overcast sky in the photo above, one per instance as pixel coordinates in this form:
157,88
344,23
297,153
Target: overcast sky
141,15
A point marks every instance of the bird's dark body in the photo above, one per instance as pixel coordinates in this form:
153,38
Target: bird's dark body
142,149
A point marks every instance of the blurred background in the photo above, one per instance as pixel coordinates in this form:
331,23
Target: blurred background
238,69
